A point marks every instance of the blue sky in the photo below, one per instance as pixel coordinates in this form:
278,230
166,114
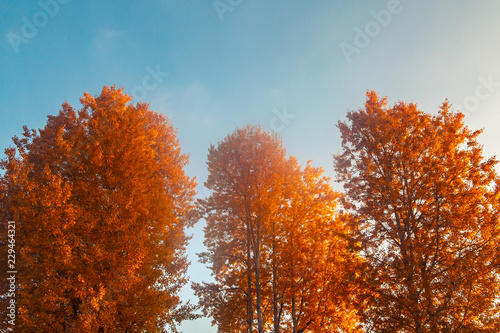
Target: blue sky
211,66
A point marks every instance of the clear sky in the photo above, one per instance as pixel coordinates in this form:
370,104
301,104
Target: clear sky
211,66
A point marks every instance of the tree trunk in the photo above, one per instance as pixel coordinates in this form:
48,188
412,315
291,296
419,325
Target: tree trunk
294,316
276,318
249,286
258,291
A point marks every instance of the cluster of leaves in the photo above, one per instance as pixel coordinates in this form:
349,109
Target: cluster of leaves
100,201
425,206
278,250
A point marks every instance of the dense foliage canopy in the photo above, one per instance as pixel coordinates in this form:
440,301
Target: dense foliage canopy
100,201
426,205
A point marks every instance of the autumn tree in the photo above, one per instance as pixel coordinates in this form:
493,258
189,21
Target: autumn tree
278,250
316,262
245,179
100,201
426,207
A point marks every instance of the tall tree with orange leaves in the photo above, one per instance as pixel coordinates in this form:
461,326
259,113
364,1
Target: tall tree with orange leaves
100,201
279,252
426,207
246,177
316,262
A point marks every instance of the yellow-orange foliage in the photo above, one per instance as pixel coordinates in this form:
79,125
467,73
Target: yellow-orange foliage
316,264
277,248
426,204
101,202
